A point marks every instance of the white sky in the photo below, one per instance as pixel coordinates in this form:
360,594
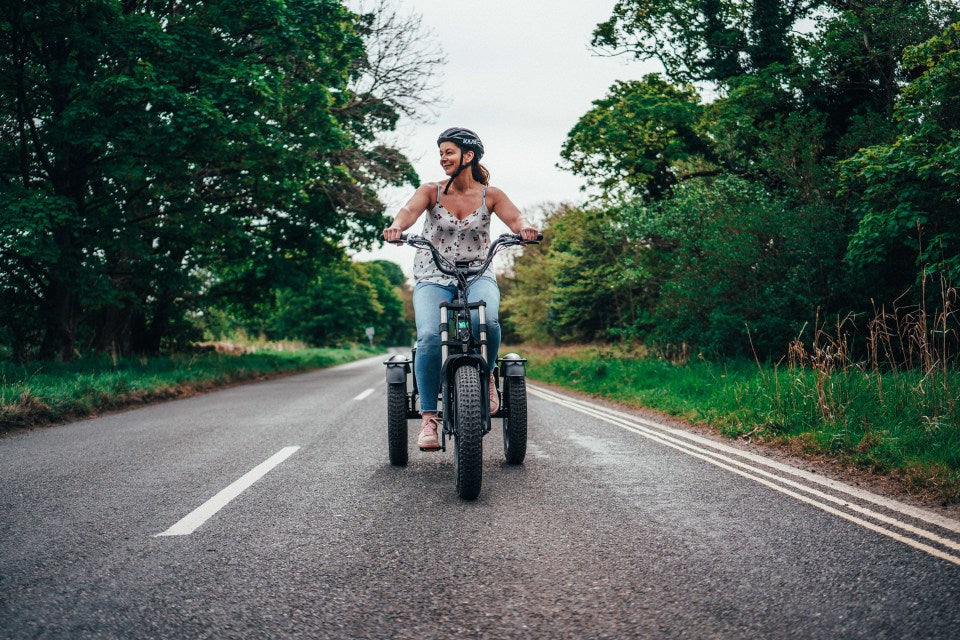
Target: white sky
520,74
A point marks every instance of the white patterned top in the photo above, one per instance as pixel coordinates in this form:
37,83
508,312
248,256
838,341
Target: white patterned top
467,239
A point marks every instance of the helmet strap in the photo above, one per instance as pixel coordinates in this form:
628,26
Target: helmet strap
455,174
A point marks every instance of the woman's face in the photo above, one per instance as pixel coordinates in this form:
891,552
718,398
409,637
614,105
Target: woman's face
450,157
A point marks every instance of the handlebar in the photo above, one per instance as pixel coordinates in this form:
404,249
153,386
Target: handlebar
451,269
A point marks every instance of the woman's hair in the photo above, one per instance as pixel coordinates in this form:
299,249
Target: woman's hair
480,173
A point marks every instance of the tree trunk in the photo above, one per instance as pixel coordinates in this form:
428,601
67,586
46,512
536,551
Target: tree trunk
58,336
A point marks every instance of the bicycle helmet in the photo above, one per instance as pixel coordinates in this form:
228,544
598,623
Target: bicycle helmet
467,140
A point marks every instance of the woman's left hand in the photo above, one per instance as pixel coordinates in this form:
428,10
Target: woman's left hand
529,233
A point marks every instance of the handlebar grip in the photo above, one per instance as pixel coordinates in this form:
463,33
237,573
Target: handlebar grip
399,241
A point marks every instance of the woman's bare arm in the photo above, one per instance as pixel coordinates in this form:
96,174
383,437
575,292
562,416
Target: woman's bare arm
501,205
409,213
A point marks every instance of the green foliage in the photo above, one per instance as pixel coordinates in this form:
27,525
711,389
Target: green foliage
391,324
45,391
573,287
588,298
335,307
762,129
898,422
391,271
707,39
157,159
524,300
739,267
905,191
636,137
822,178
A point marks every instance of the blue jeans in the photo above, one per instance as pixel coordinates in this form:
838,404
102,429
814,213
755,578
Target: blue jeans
426,305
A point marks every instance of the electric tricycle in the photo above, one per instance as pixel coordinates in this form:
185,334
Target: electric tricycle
464,379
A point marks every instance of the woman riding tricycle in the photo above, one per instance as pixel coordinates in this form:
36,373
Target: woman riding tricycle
452,273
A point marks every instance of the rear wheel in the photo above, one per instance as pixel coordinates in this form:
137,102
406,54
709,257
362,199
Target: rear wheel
468,432
397,423
515,420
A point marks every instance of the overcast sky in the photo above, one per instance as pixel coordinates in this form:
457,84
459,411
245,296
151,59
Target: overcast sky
520,73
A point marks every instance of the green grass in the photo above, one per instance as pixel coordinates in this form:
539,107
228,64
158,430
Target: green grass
42,392
899,423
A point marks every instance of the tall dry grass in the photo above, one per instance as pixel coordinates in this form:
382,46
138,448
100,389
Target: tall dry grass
886,399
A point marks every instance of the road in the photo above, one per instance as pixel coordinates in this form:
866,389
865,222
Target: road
614,527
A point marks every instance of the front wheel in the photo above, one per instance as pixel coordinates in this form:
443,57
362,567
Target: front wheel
515,420
468,432
397,423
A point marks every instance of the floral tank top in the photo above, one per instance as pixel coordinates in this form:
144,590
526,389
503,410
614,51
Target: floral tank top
467,239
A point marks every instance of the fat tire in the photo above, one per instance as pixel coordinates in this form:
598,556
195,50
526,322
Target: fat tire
397,423
468,432
515,420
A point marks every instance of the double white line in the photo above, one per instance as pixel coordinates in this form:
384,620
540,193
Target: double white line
735,461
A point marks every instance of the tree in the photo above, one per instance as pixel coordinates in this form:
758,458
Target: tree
706,40
337,306
905,191
156,158
394,325
638,139
573,286
402,62
738,267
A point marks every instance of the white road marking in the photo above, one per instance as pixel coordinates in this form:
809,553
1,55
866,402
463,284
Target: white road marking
923,533
889,503
201,514
363,394
356,364
633,424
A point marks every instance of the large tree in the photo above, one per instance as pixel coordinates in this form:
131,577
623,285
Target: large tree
155,153
639,139
906,192
820,175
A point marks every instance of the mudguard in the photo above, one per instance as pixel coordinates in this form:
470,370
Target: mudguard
454,362
398,367
512,366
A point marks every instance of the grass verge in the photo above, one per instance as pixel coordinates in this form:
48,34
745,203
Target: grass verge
902,424
43,392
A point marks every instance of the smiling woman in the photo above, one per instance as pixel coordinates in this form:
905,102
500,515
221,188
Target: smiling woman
458,224
535,79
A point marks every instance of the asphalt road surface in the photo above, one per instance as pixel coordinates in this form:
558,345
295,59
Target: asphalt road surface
270,510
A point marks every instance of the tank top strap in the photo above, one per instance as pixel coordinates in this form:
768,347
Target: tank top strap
483,197
438,193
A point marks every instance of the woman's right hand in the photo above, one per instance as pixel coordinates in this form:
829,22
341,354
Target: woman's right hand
392,234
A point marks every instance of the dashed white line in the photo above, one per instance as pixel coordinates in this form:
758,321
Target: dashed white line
357,364
189,523
363,394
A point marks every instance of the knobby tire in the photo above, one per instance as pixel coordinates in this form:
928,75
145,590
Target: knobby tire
397,423
515,420
468,432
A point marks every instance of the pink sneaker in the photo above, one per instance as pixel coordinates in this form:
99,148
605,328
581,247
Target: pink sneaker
427,440
494,398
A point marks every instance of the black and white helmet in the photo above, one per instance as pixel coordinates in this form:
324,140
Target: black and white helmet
466,139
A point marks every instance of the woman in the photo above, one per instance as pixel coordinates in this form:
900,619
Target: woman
458,224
